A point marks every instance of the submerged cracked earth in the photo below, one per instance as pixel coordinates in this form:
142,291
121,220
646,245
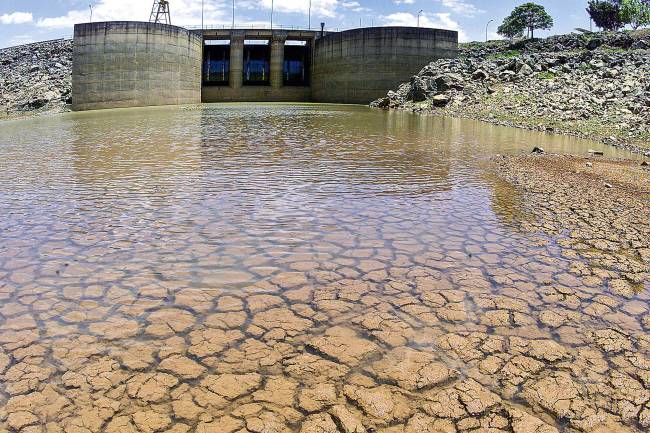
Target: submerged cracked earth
317,269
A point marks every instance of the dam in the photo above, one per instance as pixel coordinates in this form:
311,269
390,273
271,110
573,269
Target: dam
130,64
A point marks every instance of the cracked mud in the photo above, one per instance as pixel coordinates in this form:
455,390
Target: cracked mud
525,313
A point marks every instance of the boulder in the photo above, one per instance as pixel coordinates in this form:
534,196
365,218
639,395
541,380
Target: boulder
440,100
594,43
450,81
479,74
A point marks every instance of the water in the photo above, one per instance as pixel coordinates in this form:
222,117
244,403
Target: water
275,267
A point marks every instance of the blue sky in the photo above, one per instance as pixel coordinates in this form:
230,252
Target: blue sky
33,20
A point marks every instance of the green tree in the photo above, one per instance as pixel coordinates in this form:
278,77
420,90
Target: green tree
606,14
529,16
510,29
636,13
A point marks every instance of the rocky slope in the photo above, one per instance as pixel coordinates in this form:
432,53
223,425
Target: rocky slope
35,78
592,85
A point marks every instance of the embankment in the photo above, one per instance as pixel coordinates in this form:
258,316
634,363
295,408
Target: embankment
35,78
589,85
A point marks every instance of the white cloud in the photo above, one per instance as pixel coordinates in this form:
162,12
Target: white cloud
437,20
325,8
354,6
183,12
16,18
404,2
461,7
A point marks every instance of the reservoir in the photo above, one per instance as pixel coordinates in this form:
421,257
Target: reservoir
289,268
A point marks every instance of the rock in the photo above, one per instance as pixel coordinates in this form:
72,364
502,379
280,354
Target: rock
420,89
449,81
594,43
608,185
538,150
525,70
440,100
644,164
552,80
479,74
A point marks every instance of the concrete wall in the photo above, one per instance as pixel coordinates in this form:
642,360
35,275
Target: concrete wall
127,64
130,64
361,65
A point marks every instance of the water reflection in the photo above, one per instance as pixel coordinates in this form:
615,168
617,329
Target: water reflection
284,268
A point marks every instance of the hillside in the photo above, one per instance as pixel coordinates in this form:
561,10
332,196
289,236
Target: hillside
592,85
35,78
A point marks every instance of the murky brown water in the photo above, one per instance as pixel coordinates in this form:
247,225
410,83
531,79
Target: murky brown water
237,268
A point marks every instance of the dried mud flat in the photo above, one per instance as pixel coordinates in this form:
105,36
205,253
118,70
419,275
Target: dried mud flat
541,331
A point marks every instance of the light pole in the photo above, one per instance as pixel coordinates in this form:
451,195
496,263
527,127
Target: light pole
233,14
419,13
486,30
202,6
309,22
91,12
272,5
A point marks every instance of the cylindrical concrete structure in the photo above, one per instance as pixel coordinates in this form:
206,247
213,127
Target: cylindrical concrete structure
277,59
361,65
130,64
236,59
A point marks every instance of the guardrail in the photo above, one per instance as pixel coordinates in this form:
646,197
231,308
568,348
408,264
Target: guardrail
258,27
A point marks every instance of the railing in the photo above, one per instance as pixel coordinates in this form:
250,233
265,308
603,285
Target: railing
258,27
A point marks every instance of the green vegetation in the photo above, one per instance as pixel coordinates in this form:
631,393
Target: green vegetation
506,54
546,75
529,16
606,14
636,13
612,15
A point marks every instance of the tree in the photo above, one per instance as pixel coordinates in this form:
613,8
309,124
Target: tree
606,14
635,13
529,16
510,29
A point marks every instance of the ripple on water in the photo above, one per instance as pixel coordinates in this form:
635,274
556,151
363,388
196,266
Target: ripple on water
313,268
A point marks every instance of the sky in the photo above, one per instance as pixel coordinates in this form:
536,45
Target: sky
23,21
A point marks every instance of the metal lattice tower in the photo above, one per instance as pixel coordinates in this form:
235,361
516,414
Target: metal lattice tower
160,12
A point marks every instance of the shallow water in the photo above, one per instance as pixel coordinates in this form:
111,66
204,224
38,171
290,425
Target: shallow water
275,268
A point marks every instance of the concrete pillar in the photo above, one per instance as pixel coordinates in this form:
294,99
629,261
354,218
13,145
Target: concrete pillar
277,59
236,60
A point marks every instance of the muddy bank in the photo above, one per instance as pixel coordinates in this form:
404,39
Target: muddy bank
593,85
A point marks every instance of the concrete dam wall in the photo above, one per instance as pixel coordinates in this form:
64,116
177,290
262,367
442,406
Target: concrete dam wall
359,66
131,64
127,64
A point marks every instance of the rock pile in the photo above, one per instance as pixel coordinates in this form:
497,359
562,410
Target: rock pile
595,86
35,77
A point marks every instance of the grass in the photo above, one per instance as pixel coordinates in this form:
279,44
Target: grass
546,75
506,54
